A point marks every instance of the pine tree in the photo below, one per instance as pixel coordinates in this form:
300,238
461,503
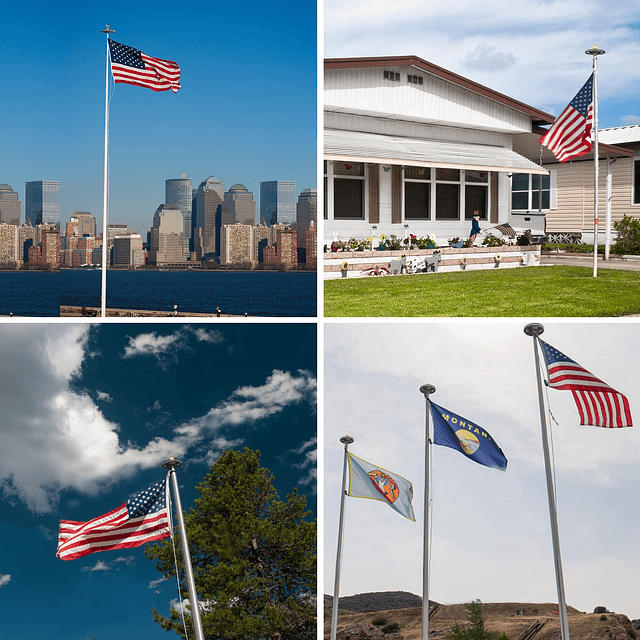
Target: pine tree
253,555
475,630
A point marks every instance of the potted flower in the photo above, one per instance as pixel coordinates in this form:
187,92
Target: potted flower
463,262
382,245
497,259
344,267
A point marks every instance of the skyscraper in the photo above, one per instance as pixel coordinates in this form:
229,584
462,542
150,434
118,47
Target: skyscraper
278,202
166,235
207,211
9,205
179,191
41,202
86,223
306,213
238,206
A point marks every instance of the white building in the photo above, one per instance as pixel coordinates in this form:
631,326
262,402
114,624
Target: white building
411,148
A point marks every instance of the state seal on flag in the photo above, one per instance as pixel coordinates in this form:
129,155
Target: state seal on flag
385,484
468,441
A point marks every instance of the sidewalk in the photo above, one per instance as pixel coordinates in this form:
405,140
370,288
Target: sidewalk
628,263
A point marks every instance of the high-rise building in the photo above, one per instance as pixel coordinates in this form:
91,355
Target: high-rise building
9,205
306,213
179,191
115,229
236,244
41,202
10,252
86,223
128,251
206,218
278,202
165,242
285,250
238,206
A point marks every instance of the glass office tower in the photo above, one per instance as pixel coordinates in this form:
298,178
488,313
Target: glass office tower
179,191
41,202
278,202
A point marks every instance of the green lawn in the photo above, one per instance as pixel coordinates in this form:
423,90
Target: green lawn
523,292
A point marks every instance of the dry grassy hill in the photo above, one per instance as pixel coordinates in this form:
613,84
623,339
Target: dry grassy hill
519,621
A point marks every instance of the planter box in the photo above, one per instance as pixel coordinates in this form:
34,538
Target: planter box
469,259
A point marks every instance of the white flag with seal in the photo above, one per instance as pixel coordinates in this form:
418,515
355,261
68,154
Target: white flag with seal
366,480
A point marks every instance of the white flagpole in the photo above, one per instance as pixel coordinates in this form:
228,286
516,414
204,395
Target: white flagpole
535,330
346,440
595,52
426,389
172,464
105,190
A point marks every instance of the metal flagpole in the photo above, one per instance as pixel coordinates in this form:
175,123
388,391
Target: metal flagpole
535,330
346,440
105,191
595,52
426,389
172,464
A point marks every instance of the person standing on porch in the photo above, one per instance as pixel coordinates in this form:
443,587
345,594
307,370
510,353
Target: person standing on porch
475,227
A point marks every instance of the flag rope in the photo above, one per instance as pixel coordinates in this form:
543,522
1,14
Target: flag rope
175,558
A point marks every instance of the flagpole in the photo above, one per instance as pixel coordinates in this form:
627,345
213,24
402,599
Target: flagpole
535,330
105,186
426,389
595,52
172,464
346,440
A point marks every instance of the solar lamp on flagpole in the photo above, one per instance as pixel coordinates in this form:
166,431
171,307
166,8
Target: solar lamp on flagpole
427,390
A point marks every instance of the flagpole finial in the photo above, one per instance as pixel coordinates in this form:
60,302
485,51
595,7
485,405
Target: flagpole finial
346,440
108,29
534,329
427,389
594,51
171,463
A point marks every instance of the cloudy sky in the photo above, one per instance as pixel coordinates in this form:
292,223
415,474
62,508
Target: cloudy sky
491,532
88,414
531,50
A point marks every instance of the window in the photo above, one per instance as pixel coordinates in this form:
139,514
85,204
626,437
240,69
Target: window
636,181
414,79
417,193
475,194
525,192
391,75
348,190
447,195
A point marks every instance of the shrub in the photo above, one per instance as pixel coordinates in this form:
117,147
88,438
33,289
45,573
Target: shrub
601,610
628,240
603,618
492,241
378,622
391,628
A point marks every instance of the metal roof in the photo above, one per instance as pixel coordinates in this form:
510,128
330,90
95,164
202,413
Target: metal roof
358,146
618,135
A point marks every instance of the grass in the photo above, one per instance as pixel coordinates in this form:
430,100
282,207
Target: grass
532,292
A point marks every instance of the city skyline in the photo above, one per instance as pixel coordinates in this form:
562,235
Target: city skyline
237,131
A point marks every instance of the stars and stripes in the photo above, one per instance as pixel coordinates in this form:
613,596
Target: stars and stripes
599,405
570,135
131,66
141,519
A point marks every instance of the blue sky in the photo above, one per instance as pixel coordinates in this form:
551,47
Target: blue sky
89,412
531,51
490,530
246,111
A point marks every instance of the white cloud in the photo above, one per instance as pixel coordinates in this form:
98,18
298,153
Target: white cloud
4,579
104,396
155,583
101,565
212,336
55,439
152,344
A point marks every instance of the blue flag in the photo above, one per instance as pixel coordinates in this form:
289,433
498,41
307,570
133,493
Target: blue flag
474,442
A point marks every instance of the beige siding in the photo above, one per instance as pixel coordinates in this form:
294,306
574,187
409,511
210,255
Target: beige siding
575,208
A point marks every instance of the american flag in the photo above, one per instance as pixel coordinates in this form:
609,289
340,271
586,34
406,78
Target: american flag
570,135
141,519
131,66
599,405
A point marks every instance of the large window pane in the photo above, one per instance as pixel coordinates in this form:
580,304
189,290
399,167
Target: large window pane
447,201
348,198
416,200
535,200
475,199
636,182
476,176
448,174
520,182
520,200
417,173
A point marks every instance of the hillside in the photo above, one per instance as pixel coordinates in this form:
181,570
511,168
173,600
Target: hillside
524,621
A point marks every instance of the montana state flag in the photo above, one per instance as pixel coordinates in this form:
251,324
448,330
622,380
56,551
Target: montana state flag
474,442
368,481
